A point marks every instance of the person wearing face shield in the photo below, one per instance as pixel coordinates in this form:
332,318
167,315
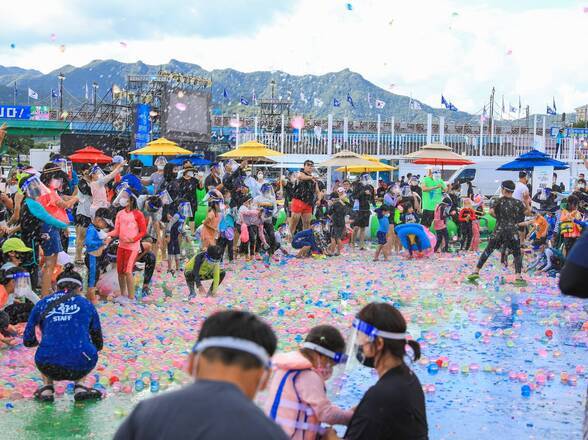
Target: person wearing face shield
33,218
130,227
188,184
214,180
267,204
364,197
156,178
234,176
433,187
394,408
17,298
174,231
297,398
209,233
133,177
230,364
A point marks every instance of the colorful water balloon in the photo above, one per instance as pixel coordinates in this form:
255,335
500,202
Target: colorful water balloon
53,37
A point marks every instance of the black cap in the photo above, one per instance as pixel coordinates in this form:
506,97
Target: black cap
522,174
508,185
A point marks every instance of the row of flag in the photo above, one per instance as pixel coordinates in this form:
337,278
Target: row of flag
317,102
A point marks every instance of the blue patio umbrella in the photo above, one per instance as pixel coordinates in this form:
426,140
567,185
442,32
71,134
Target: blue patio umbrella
532,159
195,159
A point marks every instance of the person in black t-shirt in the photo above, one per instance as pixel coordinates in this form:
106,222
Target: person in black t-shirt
231,363
509,213
394,408
304,196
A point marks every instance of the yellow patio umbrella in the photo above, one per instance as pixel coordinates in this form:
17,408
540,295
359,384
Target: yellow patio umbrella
251,150
161,147
376,167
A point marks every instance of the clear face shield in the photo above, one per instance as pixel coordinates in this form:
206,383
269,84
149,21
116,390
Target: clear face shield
268,191
160,162
34,188
96,172
357,344
123,197
366,179
62,164
230,166
337,360
185,210
165,198
22,283
406,191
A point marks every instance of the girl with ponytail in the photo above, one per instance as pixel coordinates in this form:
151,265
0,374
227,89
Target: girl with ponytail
395,406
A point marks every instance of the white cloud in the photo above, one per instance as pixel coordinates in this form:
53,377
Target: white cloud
426,50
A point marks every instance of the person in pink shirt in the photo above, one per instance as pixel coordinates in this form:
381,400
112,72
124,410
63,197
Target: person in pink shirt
130,227
297,399
98,181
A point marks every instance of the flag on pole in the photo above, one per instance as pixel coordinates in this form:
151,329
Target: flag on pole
33,94
551,111
243,101
369,100
350,100
86,92
15,89
336,102
502,110
554,106
519,104
448,105
512,108
318,102
54,93
253,97
380,104
414,105
225,94
483,116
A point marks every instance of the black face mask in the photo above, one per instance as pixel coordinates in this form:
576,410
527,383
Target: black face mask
369,362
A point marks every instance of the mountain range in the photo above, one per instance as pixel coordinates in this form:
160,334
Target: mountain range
306,92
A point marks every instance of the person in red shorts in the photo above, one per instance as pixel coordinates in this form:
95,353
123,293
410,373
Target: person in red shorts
303,197
130,227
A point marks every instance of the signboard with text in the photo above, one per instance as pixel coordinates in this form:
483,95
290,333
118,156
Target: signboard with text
542,178
15,112
142,125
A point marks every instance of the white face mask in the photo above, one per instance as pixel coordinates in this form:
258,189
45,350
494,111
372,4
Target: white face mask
160,167
436,176
259,176
189,174
124,202
248,173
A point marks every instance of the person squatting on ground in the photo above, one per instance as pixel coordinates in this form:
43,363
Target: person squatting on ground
205,266
72,337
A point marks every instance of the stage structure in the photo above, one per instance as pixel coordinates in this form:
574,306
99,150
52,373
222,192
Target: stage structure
271,111
170,104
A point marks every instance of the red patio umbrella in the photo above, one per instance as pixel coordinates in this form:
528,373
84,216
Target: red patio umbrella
437,154
90,155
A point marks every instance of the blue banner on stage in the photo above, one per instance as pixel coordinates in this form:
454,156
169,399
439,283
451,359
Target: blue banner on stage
15,112
142,125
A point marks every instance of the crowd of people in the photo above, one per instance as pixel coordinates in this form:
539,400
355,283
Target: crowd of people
127,218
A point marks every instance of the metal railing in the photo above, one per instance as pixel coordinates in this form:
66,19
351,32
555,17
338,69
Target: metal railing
399,145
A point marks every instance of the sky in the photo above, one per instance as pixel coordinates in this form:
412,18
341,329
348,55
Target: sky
425,48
